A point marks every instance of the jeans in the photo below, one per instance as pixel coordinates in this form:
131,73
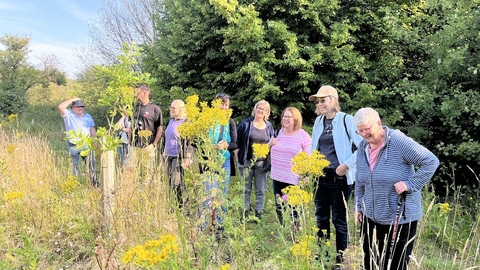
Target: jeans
254,175
123,150
213,187
75,156
332,196
376,255
175,178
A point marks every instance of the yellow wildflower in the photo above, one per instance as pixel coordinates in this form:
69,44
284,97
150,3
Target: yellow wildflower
303,247
145,134
260,150
304,164
296,196
70,185
13,195
152,252
12,117
445,208
11,148
200,119
225,267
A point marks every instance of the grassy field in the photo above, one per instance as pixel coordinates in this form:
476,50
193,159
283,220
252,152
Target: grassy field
51,220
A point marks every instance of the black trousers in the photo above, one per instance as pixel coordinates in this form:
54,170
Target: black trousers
377,242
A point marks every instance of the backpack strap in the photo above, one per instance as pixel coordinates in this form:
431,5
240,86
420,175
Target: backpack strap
222,127
345,125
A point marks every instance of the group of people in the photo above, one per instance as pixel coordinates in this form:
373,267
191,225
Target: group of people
385,168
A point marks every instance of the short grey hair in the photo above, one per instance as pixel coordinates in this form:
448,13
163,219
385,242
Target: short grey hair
366,116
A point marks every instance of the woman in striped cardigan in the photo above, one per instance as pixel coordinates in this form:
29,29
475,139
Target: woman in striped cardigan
392,169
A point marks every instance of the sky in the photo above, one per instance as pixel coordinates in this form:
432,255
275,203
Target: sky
54,26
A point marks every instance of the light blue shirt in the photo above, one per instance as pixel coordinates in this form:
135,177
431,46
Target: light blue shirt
343,146
73,122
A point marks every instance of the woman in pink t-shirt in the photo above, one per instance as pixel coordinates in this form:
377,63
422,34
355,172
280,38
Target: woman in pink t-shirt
291,140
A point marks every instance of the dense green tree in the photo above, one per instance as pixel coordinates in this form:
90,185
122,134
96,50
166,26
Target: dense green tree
442,106
281,51
17,75
414,61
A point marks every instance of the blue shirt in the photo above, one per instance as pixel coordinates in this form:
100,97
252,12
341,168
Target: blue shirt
73,122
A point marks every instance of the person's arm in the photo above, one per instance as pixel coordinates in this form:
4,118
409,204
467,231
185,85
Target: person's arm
158,136
425,162
233,136
93,132
62,107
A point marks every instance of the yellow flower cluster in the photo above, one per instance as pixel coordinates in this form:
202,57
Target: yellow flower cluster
311,165
303,247
13,195
12,117
70,185
11,148
296,196
201,117
152,252
260,150
225,267
145,134
445,208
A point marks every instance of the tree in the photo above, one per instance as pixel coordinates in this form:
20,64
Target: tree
17,76
442,107
281,51
119,22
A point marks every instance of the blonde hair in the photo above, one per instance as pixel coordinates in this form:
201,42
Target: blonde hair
336,105
297,117
182,114
267,108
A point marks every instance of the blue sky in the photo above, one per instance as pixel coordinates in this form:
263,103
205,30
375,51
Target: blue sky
54,26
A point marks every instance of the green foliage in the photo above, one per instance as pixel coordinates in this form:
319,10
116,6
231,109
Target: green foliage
414,61
17,75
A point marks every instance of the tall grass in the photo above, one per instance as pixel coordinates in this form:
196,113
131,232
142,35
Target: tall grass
51,220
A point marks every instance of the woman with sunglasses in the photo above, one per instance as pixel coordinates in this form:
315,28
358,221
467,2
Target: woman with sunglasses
333,135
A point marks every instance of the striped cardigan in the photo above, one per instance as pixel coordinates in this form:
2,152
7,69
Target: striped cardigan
400,159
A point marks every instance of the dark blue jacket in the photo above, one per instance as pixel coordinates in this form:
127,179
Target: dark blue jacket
243,139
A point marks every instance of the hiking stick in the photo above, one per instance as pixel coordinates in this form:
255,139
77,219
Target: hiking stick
401,200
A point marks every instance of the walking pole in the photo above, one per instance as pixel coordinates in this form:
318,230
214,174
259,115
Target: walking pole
401,200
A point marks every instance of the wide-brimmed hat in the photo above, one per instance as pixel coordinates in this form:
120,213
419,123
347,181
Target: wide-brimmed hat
78,103
324,91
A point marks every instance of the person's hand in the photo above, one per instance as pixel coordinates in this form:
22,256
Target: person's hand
341,169
400,187
358,217
187,162
273,141
150,148
221,145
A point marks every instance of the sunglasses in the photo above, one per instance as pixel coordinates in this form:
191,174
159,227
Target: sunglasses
321,101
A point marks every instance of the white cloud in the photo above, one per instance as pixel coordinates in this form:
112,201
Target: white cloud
72,8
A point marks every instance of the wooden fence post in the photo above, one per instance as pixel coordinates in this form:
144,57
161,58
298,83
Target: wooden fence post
108,180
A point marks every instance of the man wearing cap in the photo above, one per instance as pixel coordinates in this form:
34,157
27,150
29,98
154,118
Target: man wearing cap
77,120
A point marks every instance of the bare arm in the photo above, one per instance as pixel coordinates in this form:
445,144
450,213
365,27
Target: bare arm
158,136
62,107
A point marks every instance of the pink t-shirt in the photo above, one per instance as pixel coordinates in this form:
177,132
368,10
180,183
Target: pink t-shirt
373,156
283,152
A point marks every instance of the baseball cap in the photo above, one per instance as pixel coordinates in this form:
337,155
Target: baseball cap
324,91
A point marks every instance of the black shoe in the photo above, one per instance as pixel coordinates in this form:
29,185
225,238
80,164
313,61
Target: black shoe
258,214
